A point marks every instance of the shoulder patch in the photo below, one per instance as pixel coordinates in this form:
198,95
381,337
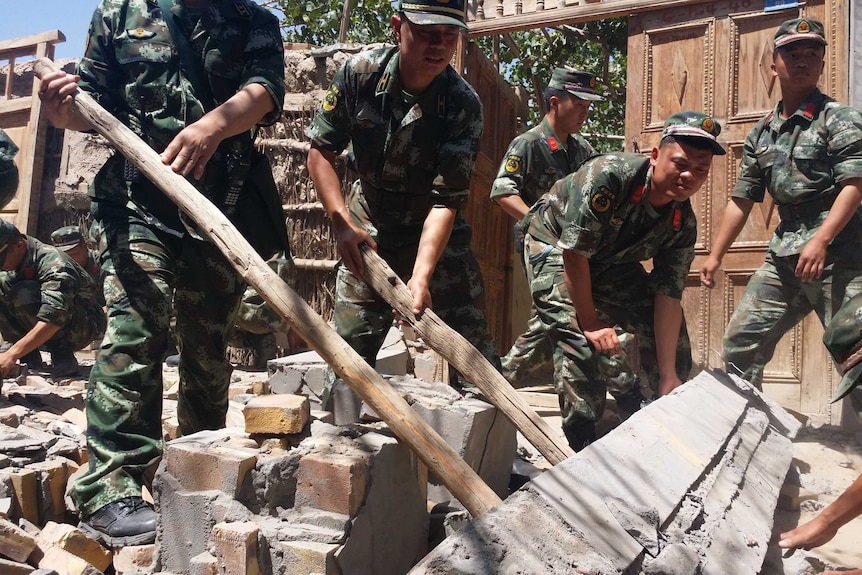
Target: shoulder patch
601,199
513,163
330,101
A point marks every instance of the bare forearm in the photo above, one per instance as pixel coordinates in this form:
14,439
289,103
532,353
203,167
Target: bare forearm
847,507
580,286
667,322
321,168
842,210
514,206
732,221
241,112
435,235
38,335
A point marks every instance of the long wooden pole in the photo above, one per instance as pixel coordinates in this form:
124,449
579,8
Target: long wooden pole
444,461
466,359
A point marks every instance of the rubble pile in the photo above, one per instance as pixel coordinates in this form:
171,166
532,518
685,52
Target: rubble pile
285,488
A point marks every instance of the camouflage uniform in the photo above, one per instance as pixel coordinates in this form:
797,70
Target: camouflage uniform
152,264
533,162
601,212
410,158
802,162
49,286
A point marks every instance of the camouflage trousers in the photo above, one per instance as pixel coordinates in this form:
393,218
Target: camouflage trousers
623,296
532,352
775,300
363,318
18,315
149,275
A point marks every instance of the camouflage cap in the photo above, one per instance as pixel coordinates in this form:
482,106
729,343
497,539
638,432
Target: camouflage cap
843,339
800,29
694,125
8,232
425,12
66,238
8,169
580,84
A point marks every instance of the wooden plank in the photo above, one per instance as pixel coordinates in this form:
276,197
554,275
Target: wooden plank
14,106
27,42
461,354
551,17
432,449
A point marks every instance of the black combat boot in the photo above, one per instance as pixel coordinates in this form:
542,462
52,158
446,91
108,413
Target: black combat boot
630,402
580,435
122,523
64,364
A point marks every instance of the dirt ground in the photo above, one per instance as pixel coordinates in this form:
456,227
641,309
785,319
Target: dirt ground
828,461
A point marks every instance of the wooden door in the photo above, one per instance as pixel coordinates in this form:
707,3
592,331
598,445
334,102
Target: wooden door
492,228
716,57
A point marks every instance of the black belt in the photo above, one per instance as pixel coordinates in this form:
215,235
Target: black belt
791,212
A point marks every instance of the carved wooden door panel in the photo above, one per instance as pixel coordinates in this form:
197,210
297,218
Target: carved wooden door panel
492,228
716,57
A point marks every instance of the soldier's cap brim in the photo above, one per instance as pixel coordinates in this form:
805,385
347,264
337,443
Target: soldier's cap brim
790,38
686,131
66,246
848,382
589,96
426,19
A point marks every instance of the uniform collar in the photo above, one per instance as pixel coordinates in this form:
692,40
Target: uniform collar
430,101
806,111
549,136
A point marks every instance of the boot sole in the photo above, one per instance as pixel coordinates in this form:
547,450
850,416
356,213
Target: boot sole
116,542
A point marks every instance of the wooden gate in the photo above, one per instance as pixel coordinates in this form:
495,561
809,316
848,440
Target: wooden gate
716,57
492,228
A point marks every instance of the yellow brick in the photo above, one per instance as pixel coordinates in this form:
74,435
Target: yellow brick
134,559
15,543
235,545
73,540
281,414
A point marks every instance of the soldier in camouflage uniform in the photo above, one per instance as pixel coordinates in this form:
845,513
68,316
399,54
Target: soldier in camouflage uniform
808,154
8,169
68,239
200,119
414,127
613,213
47,300
534,161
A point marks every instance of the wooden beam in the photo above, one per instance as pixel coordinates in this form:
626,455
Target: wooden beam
29,42
426,443
551,17
462,355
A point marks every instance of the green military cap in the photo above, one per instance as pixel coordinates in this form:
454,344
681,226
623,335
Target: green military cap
424,12
799,29
694,125
66,238
8,169
580,84
8,232
843,339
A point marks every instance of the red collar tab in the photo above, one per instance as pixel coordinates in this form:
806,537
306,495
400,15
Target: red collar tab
28,272
638,194
552,141
809,110
854,358
677,218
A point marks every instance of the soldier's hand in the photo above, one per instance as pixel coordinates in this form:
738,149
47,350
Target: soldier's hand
666,385
604,339
809,535
8,363
55,92
191,149
349,238
421,295
707,271
812,258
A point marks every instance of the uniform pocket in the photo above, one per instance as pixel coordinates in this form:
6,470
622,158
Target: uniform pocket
812,161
